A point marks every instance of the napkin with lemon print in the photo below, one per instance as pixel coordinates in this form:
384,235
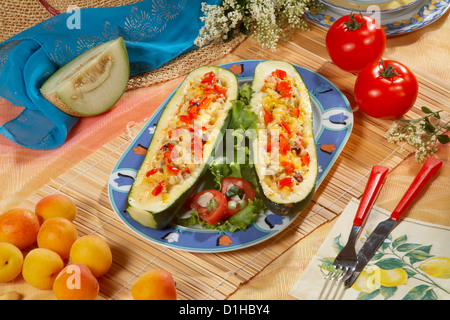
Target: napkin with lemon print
412,264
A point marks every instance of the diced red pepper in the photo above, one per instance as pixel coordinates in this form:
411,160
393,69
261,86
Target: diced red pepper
185,119
186,170
286,182
209,77
280,74
306,159
192,112
194,101
288,166
221,90
168,156
170,133
158,189
284,145
173,169
284,89
286,127
295,112
151,172
302,143
267,117
197,147
204,103
269,146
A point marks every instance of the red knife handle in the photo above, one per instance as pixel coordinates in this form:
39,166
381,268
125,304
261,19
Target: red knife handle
428,170
371,191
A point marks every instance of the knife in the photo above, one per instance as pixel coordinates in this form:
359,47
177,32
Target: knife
384,228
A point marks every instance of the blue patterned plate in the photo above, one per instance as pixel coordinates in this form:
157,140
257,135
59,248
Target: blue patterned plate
416,16
333,122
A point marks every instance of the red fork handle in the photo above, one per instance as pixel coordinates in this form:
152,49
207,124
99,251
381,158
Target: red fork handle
371,191
428,170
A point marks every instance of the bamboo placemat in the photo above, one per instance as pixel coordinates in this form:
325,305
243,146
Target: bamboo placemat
217,275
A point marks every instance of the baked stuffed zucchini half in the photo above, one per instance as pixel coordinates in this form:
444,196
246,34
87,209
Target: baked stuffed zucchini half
284,152
186,135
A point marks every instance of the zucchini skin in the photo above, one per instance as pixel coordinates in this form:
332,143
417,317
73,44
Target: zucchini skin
160,219
288,209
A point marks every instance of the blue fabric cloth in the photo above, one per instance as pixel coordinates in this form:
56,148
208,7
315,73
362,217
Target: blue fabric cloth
155,31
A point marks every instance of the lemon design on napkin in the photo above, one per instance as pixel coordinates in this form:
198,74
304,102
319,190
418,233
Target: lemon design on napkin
397,261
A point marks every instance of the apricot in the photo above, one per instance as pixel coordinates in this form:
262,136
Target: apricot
11,260
56,205
154,285
57,234
40,268
19,227
76,282
93,252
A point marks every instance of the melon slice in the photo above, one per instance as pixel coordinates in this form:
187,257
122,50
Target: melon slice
91,83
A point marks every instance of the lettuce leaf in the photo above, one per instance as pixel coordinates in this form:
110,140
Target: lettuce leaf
243,123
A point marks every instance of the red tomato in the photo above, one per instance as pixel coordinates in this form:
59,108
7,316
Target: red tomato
216,211
242,184
354,41
386,89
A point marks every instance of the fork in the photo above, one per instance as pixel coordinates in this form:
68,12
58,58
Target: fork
345,262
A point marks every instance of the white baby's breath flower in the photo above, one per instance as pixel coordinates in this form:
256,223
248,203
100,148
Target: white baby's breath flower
422,134
264,19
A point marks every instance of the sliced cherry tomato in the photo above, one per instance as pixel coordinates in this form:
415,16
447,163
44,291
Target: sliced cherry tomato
280,74
248,193
158,189
355,41
386,89
267,117
286,182
211,211
209,77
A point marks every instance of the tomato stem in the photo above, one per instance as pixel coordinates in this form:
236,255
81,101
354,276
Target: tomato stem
352,24
387,72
